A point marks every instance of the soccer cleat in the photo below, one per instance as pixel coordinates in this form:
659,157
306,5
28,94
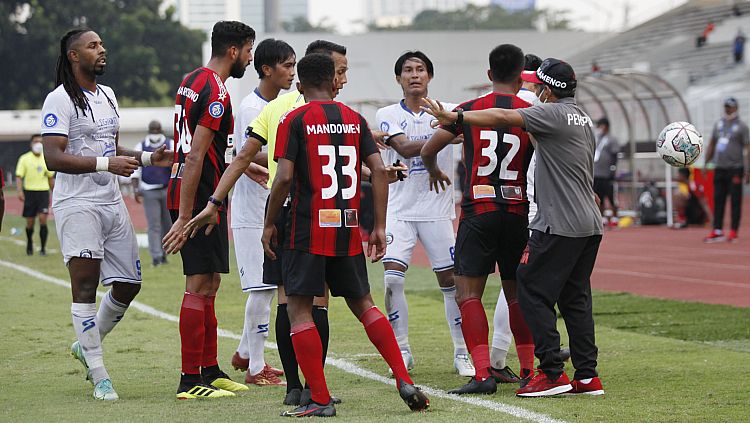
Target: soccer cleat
77,352
264,378
542,386
591,386
732,236
29,249
201,390
222,381
487,386
240,363
526,375
312,410
408,361
104,391
42,252
413,397
716,235
463,365
274,370
292,397
305,398
504,375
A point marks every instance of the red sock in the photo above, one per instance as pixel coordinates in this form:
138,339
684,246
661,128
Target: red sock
211,324
476,330
522,336
309,352
192,332
381,335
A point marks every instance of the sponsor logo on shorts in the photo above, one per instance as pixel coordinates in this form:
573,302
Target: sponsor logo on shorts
85,254
138,267
50,120
216,109
389,238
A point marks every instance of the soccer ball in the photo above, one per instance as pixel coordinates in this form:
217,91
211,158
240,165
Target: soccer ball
679,144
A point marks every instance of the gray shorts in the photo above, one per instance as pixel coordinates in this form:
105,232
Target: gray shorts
101,232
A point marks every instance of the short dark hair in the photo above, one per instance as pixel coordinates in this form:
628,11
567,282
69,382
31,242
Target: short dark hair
325,47
35,136
271,52
413,55
506,63
603,121
562,93
228,34
532,62
315,70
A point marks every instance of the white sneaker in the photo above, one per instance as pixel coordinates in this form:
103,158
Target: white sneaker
408,361
104,391
463,365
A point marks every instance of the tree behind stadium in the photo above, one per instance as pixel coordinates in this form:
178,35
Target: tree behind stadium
147,52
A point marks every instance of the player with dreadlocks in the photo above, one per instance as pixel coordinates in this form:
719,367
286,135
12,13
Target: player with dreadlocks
80,127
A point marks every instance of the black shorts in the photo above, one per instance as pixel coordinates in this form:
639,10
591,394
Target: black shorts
605,188
272,269
307,274
497,237
35,202
206,254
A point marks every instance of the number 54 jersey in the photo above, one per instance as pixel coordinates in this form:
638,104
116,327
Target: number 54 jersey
327,141
202,99
496,160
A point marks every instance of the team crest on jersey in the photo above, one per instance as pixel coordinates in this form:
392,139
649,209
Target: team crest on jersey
216,109
50,120
384,126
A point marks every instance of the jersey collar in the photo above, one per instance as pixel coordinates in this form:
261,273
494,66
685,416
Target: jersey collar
403,105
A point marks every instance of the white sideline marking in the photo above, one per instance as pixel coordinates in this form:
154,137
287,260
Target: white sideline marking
335,362
23,244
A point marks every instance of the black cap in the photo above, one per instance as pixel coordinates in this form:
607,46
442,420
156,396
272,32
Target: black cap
557,74
730,102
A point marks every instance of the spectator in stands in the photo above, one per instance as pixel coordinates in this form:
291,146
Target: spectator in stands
605,166
150,184
730,135
689,202
736,11
704,35
739,46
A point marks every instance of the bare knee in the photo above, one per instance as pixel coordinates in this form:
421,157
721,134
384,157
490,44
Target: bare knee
360,305
124,292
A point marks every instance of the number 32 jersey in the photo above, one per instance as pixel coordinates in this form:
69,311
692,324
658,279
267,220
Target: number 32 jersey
496,160
327,141
202,99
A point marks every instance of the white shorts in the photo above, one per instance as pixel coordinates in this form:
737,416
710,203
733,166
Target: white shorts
249,253
437,237
101,232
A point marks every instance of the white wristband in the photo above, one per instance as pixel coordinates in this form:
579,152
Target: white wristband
146,158
102,164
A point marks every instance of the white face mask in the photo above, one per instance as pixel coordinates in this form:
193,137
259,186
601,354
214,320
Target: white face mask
155,138
37,148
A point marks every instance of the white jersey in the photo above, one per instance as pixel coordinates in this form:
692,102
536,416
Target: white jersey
411,199
249,198
90,133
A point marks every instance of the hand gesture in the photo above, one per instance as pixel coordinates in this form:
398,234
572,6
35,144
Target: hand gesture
162,157
439,181
435,108
175,238
376,245
379,137
269,240
393,170
208,216
258,174
122,165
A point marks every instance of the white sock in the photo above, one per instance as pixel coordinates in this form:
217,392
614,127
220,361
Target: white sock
453,316
396,307
242,348
501,334
257,318
84,323
109,315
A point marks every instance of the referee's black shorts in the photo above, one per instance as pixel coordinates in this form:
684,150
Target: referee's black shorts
206,254
495,238
35,203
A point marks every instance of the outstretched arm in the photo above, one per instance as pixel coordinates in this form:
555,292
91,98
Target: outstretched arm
486,118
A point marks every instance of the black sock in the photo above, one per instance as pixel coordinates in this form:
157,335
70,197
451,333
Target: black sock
43,235
29,235
186,379
286,349
320,318
210,373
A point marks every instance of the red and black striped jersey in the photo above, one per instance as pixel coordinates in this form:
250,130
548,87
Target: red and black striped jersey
327,141
496,160
202,99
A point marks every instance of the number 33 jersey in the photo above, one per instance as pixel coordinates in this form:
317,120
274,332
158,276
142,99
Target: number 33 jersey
327,141
202,99
496,160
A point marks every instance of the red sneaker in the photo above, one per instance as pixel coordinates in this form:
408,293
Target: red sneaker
274,370
542,386
732,236
240,363
591,386
264,378
716,235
